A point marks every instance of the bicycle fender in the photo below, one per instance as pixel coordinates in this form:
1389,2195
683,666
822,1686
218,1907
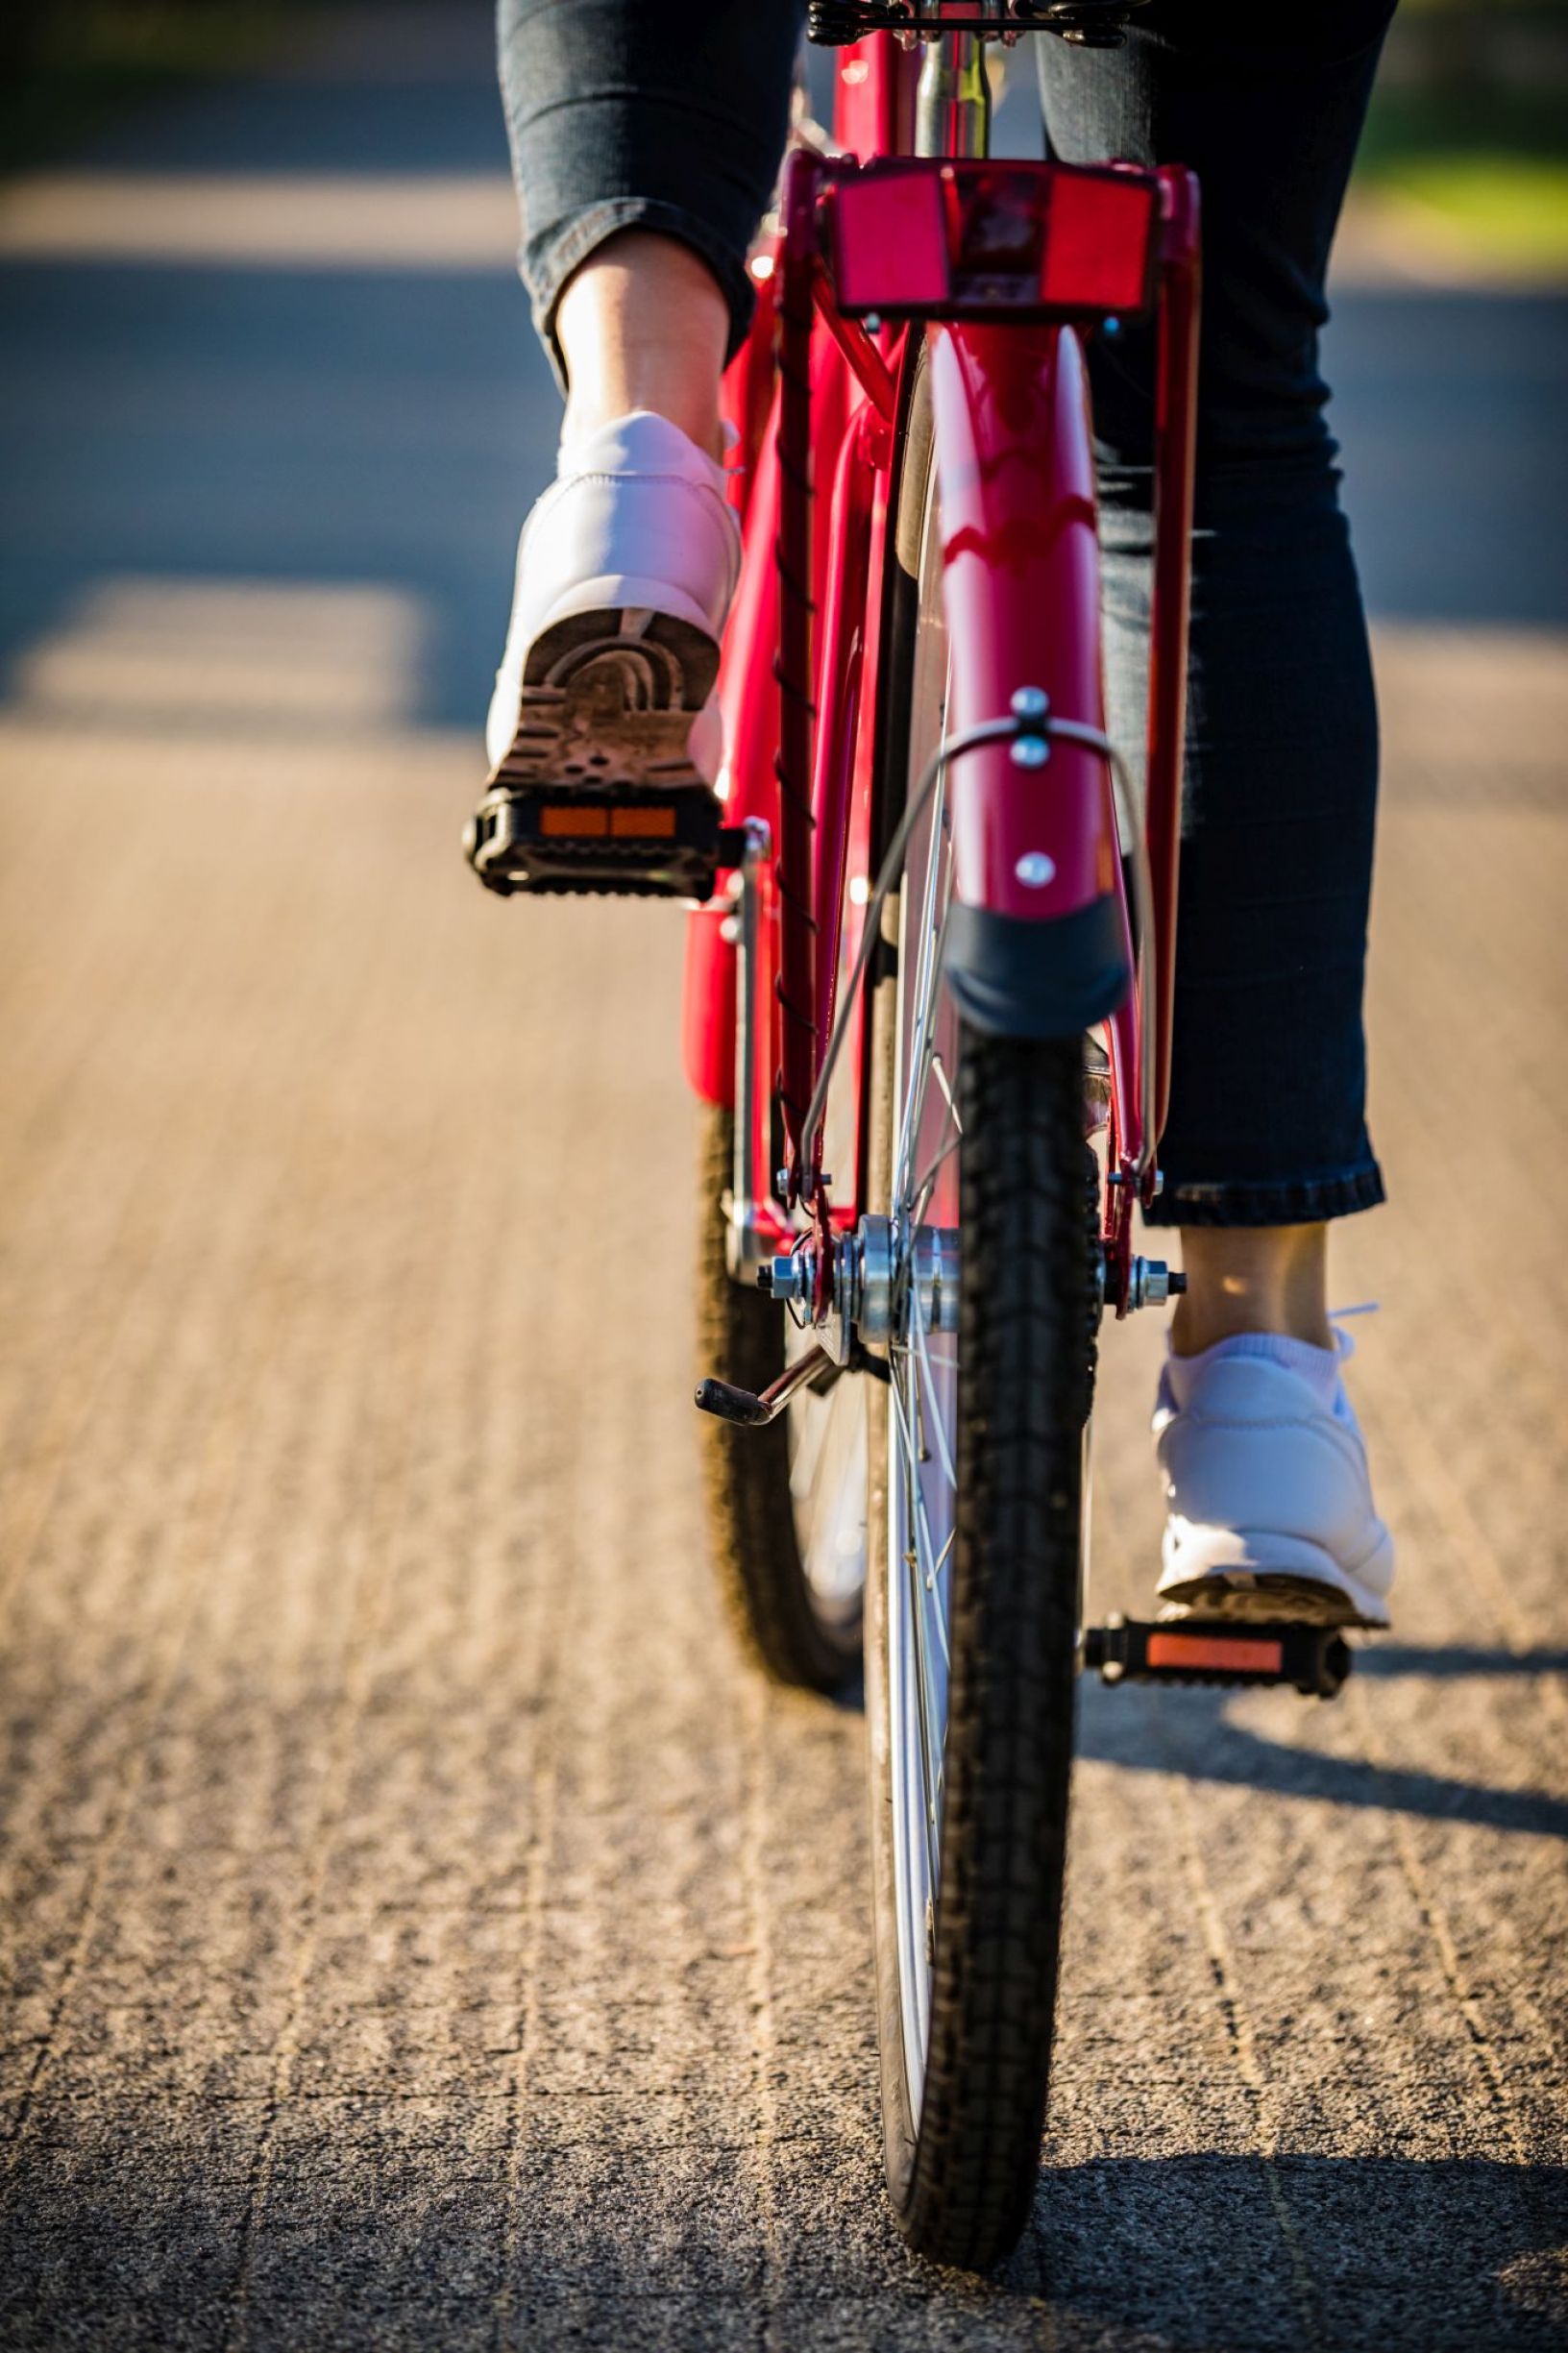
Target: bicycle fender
1016,977
1036,942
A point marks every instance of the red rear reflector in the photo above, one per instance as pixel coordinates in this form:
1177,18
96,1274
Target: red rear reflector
579,824
643,825
968,239
1097,243
891,242
1204,1652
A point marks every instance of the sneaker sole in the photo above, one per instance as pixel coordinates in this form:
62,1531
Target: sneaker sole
1262,1599
609,698
598,792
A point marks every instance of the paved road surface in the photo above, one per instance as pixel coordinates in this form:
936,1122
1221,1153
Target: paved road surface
421,1931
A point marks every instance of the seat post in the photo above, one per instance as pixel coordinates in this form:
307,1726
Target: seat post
952,102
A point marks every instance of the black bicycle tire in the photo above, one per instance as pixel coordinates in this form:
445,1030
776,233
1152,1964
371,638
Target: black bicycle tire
745,1473
963,2178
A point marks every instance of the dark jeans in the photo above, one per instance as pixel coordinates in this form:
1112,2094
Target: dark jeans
670,114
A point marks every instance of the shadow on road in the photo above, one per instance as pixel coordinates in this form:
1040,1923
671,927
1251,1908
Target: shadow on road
229,431
1382,1660
220,426
1194,1733
389,2228
1176,2249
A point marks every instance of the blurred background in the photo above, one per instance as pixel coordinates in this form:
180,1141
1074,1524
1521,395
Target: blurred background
419,1926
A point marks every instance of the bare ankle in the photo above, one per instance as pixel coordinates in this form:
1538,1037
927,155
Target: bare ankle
1252,1279
643,324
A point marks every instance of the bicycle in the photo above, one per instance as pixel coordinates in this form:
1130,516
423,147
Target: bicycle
933,951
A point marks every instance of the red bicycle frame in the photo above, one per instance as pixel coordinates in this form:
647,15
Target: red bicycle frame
996,270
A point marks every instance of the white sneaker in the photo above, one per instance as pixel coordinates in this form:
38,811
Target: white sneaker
1267,1494
625,569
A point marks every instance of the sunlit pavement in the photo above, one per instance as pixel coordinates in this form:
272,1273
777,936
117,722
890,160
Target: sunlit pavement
422,1930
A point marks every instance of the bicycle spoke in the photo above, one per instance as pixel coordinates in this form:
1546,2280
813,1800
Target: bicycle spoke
933,1562
926,1181
936,903
940,1072
931,1733
933,1586
943,1452
928,1058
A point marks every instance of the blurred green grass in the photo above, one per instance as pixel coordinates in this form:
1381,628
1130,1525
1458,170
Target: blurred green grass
1468,128
69,66
1511,208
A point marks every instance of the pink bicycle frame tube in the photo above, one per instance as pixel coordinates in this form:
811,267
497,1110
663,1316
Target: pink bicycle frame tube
839,702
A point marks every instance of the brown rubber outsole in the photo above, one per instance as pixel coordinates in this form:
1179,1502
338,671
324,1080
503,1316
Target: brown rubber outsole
597,793
1266,1600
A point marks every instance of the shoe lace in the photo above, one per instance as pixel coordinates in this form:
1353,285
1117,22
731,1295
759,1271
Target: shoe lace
1345,1347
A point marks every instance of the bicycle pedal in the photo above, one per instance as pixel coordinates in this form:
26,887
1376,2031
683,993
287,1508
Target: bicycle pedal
608,841
1312,1659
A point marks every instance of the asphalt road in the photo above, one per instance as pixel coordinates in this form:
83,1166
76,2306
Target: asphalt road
420,1927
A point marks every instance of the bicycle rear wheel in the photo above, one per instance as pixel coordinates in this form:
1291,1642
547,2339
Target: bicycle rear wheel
975,1509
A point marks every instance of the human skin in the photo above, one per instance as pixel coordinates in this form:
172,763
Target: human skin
643,324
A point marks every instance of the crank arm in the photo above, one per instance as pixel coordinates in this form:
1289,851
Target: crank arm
749,1412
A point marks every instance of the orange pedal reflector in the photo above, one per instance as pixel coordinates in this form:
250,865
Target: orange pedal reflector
1202,1652
643,825
582,824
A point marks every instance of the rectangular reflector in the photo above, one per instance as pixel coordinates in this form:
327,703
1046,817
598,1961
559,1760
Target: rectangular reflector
1205,1653
578,824
891,241
643,825
1099,236
916,238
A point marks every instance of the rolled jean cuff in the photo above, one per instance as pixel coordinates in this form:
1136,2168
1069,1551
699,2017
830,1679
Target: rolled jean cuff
1296,1201
549,260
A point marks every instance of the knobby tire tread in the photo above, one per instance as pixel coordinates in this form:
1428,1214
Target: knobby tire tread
1026,1306
962,2181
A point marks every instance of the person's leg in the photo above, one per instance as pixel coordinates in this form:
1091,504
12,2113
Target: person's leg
664,116
1253,1279
643,324
645,137
1267,1135
1267,1138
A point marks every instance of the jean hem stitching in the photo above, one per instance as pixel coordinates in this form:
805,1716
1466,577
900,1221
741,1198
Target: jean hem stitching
550,259
1286,1201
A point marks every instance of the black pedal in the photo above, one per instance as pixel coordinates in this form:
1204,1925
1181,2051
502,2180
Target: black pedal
611,839
1312,1659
